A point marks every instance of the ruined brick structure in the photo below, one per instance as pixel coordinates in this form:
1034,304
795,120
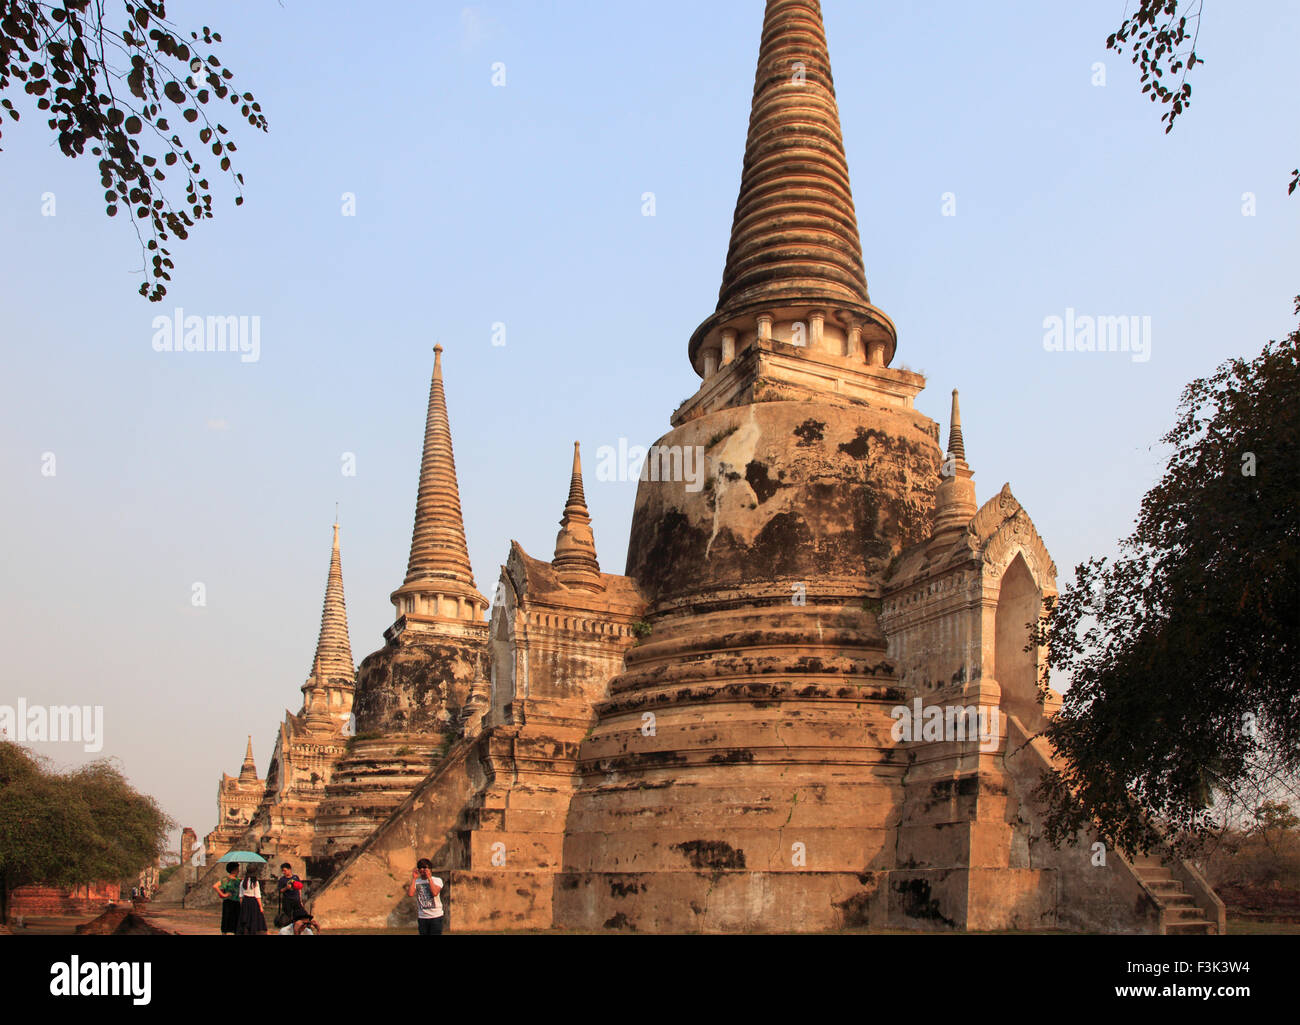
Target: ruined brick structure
807,705
27,902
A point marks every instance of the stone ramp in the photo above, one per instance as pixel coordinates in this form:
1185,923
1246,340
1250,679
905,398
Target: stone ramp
369,889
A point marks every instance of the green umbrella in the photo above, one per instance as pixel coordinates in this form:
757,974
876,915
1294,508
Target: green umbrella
242,856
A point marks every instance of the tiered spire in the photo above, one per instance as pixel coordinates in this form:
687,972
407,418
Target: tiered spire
795,233
575,547
439,579
333,660
795,240
248,771
954,500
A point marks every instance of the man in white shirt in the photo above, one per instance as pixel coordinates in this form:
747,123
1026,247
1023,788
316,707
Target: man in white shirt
425,887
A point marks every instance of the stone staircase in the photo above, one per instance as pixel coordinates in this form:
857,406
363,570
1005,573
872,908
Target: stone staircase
368,785
1182,917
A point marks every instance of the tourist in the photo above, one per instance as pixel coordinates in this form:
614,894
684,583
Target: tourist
228,891
252,920
289,888
425,887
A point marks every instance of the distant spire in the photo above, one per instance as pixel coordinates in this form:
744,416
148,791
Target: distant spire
439,562
333,660
248,771
956,444
575,547
438,548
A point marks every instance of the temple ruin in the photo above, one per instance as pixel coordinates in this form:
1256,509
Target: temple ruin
806,704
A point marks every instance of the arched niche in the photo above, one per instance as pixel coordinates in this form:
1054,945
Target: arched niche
1020,602
502,660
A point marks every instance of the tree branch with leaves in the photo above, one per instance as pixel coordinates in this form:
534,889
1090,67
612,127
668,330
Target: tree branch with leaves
1183,653
118,90
1162,35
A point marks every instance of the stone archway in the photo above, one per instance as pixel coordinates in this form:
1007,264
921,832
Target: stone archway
1020,602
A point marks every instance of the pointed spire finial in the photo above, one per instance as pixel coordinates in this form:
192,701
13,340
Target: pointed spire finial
956,443
575,548
248,771
576,495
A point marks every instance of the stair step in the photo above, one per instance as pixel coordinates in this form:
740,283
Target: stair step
1201,928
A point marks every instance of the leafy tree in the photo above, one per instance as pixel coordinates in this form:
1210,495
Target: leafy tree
1263,850
119,88
131,829
1157,32
1184,652
64,829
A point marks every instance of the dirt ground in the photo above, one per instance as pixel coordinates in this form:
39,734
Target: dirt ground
206,922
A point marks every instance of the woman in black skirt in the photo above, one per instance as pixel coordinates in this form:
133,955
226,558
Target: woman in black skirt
228,891
252,922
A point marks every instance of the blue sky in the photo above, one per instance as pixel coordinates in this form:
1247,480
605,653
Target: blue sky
478,205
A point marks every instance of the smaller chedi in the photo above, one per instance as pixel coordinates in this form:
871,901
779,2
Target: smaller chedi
276,816
238,800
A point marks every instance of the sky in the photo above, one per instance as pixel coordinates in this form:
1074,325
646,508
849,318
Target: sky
477,204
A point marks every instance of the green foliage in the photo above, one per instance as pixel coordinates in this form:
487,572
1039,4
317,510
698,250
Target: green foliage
1274,817
1184,653
60,829
119,88
131,829
1265,853
641,629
